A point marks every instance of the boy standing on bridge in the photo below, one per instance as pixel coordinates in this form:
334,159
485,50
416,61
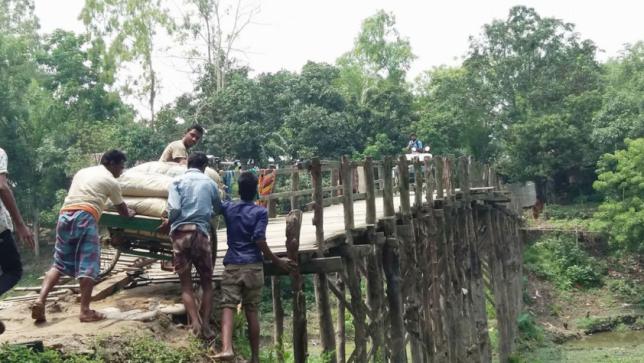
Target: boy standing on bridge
243,277
78,248
193,199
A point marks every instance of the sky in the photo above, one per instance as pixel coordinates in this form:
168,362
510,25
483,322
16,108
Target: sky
285,34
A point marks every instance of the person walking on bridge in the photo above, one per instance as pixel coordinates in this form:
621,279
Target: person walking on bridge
10,215
78,249
243,277
193,200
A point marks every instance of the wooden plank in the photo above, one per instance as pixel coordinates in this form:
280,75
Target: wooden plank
312,266
111,285
138,222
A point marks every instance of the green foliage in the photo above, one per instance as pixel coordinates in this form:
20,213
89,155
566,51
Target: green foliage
21,354
570,211
631,291
621,182
140,348
620,116
529,330
560,259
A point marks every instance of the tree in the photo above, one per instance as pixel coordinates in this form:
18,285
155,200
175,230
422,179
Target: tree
372,79
131,27
379,51
453,114
537,70
206,21
621,115
621,181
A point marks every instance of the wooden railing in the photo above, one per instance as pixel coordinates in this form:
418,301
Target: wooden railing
434,178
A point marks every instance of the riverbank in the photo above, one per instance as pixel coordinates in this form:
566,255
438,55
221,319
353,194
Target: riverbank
586,304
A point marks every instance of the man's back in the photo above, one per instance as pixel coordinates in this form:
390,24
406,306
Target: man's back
245,224
92,187
193,198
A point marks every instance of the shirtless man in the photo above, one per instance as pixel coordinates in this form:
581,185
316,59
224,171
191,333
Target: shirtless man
177,151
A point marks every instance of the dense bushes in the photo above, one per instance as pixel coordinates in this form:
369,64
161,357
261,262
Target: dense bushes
621,181
560,259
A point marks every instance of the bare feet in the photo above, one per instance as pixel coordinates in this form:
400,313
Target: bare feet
224,356
91,316
38,312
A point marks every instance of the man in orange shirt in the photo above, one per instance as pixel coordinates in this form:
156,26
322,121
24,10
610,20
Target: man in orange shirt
78,248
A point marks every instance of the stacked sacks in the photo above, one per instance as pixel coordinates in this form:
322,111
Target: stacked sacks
145,186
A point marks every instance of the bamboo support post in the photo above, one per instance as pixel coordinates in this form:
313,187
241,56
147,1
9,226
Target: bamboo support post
440,179
295,186
391,267
320,281
388,191
371,192
403,185
419,178
300,339
429,180
375,290
278,316
353,280
341,333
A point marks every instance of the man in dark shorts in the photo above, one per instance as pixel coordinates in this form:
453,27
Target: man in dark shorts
243,277
78,248
193,199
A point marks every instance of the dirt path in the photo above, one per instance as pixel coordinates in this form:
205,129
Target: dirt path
143,308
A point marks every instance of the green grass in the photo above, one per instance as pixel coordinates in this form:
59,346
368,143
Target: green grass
130,348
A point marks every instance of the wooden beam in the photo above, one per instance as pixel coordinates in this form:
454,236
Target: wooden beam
300,338
295,186
391,267
325,318
419,179
403,185
353,281
310,266
278,317
371,192
388,192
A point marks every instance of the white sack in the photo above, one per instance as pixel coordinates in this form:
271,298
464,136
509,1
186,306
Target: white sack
137,184
151,207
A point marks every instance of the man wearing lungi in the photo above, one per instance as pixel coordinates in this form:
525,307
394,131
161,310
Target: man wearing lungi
78,250
193,200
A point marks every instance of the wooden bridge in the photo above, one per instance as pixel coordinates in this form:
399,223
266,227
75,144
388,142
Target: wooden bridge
430,253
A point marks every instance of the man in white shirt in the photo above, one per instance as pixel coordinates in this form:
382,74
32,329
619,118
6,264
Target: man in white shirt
78,248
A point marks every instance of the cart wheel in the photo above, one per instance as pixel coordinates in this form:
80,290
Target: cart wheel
109,258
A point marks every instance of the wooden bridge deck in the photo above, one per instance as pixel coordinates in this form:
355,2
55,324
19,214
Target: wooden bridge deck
333,226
